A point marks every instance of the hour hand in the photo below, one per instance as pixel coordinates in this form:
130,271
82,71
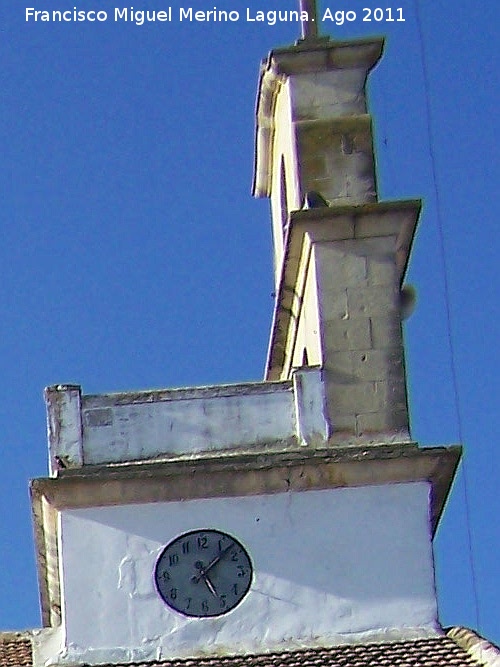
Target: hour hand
210,585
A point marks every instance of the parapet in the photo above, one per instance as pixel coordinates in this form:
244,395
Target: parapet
120,428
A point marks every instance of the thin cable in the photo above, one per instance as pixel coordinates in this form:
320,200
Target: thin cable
444,262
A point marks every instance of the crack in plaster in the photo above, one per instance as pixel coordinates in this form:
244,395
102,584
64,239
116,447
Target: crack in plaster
278,598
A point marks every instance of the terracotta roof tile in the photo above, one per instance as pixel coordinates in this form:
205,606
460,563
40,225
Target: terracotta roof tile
439,651
15,651
483,651
443,651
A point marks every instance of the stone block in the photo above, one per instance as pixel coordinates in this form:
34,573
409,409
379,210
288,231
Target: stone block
343,423
380,249
334,228
360,397
344,86
313,166
340,334
341,367
339,266
303,96
312,425
372,300
337,108
64,419
386,331
359,55
333,303
351,177
373,422
387,223
327,94
382,270
394,391
305,61
377,365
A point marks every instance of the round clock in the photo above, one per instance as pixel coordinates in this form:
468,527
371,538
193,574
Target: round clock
203,573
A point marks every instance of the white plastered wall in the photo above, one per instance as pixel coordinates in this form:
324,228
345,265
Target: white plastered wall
308,330
283,148
329,566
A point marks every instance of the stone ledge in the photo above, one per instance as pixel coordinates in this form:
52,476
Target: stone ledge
249,473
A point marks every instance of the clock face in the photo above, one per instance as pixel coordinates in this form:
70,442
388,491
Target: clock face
203,573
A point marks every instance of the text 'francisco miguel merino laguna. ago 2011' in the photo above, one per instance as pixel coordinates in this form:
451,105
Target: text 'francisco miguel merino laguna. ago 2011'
187,14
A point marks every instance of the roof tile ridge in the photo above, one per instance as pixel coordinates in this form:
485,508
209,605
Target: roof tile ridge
269,657
479,648
16,648
7,636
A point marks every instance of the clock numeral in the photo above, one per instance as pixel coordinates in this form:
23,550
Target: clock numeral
204,606
173,593
165,575
242,572
187,604
173,559
202,542
235,589
185,547
234,556
223,602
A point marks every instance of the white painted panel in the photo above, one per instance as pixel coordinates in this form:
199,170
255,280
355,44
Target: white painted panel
327,564
143,430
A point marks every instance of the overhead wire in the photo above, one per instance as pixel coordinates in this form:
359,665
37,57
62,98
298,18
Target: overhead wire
449,319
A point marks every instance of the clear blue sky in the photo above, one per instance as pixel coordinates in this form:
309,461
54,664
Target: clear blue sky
133,256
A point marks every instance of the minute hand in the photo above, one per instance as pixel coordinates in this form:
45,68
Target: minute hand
214,561
218,557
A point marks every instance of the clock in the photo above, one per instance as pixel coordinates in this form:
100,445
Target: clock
203,573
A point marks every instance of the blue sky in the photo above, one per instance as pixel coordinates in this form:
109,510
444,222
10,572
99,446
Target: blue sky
133,255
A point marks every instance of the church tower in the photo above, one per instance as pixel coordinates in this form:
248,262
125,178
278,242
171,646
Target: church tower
277,522
340,254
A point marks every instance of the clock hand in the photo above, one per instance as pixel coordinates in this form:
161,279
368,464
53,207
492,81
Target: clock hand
218,557
210,585
214,561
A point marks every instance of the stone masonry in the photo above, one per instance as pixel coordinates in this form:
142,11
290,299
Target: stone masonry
339,269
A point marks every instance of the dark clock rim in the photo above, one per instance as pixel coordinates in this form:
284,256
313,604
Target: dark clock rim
183,536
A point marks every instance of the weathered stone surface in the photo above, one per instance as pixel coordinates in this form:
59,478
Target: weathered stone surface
376,225
345,334
396,394
381,270
386,331
378,422
342,425
333,304
123,428
312,118
64,419
305,61
345,398
328,94
346,176
370,301
340,227
315,165
340,365
376,364
338,265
